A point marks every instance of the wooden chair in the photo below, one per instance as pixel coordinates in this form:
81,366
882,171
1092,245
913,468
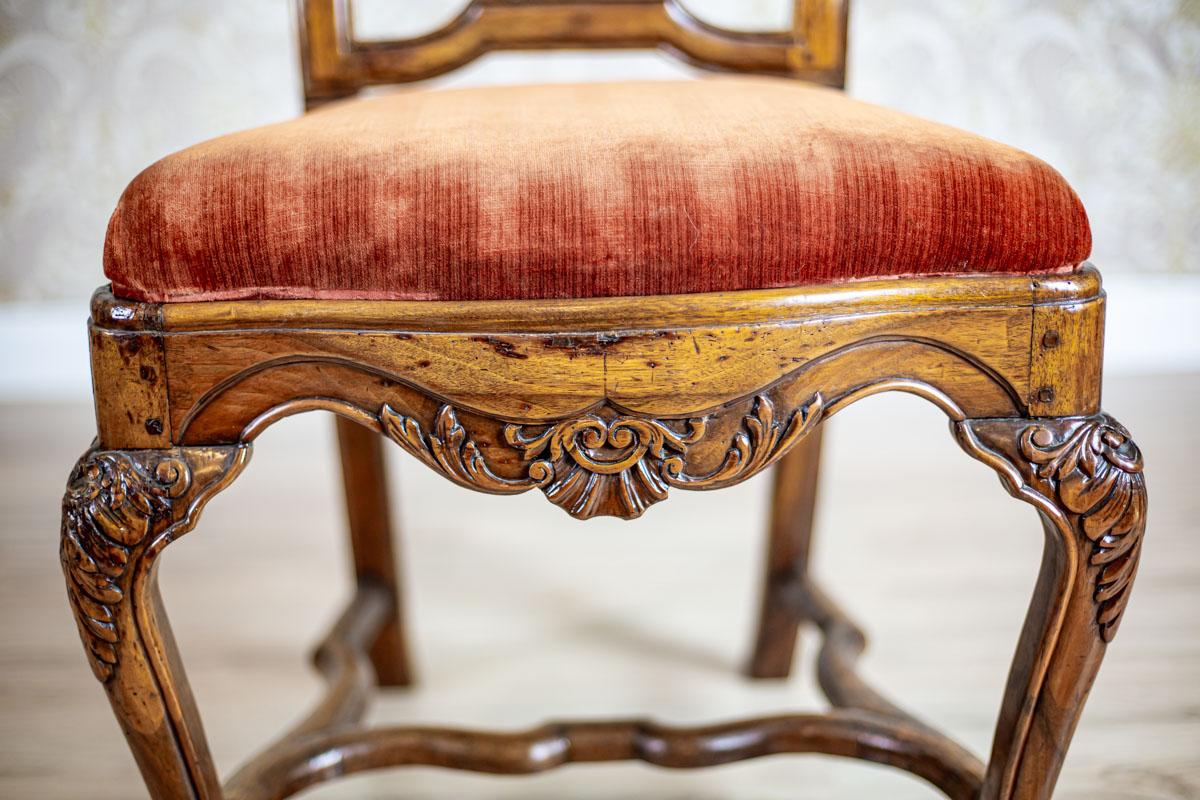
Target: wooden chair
679,304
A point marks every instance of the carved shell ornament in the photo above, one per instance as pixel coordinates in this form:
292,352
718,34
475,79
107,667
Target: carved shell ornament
1096,473
603,462
111,506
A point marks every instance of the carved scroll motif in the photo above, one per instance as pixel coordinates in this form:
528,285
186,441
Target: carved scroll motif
113,503
604,462
1096,473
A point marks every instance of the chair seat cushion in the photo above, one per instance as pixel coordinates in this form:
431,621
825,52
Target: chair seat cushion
592,190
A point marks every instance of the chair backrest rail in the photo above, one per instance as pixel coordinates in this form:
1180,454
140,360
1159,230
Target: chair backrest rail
337,64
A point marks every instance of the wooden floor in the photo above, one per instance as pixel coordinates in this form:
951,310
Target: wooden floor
520,613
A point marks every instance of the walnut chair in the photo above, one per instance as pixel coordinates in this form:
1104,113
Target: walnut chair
604,292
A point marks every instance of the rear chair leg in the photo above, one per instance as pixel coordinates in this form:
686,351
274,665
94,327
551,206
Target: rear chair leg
369,519
789,539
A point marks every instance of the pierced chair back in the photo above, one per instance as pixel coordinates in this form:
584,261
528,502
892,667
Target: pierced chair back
336,64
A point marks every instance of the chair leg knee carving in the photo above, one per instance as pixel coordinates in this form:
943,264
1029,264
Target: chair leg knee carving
120,510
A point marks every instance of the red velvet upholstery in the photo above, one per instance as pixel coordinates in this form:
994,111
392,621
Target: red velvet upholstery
586,191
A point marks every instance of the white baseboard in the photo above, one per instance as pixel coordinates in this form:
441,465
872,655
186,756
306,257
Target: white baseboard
1153,327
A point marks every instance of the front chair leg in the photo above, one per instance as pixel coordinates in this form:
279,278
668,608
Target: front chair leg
1085,477
120,510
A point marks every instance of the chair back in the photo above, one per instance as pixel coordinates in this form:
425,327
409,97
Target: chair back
336,64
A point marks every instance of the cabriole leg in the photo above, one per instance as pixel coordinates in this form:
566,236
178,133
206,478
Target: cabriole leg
1084,475
120,510
793,500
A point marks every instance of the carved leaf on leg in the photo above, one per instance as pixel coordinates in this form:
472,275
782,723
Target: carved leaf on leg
112,504
1086,474
1096,473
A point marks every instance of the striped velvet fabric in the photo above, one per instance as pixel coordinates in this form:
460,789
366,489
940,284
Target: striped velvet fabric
591,190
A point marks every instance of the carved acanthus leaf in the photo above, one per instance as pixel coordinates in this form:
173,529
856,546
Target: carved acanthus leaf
1095,473
761,441
113,503
448,450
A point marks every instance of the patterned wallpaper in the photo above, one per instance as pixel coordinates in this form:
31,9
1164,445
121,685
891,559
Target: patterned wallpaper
91,91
